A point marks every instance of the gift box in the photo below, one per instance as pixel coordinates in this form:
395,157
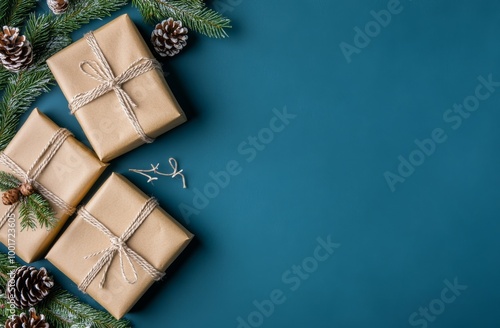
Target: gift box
116,89
118,245
62,169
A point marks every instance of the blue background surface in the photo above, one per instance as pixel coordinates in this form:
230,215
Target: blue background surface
322,176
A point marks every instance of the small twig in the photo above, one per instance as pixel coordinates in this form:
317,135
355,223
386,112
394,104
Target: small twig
143,172
155,169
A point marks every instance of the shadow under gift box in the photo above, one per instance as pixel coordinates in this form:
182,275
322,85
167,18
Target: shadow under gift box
159,240
103,120
70,174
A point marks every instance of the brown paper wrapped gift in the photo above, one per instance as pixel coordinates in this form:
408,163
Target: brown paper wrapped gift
111,250
106,120
69,175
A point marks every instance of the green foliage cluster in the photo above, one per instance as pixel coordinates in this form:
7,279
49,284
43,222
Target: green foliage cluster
192,13
61,309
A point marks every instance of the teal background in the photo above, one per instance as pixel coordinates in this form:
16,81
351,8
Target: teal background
323,174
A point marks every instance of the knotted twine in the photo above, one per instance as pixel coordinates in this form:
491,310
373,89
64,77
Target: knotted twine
118,245
101,72
35,170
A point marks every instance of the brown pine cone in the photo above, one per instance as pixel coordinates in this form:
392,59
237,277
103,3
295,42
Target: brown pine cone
26,189
169,37
11,196
24,321
58,7
28,286
15,50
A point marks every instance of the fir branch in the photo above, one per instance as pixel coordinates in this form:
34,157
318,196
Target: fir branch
192,13
4,11
8,181
83,11
4,77
39,209
68,312
20,11
8,7
22,89
26,215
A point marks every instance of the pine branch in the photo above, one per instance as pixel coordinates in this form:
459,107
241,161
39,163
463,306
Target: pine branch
4,77
5,6
192,13
19,12
26,215
68,311
8,181
22,89
83,11
38,209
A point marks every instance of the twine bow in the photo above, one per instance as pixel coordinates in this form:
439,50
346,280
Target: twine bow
101,71
34,171
173,163
118,245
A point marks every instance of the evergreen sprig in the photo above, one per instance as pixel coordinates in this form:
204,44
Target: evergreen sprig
61,309
8,181
21,90
14,12
192,13
33,209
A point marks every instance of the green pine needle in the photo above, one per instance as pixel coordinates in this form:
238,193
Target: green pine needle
61,306
4,76
14,12
22,89
5,6
192,13
8,181
37,209
19,11
26,216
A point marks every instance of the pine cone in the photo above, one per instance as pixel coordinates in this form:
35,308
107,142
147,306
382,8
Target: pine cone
11,196
169,37
24,321
15,50
26,189
58,7
28,286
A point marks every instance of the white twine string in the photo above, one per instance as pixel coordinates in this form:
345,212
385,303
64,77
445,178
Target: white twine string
118,245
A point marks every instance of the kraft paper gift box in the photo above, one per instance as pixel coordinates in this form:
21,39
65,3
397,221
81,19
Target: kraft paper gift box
69,175
158,240
104,120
